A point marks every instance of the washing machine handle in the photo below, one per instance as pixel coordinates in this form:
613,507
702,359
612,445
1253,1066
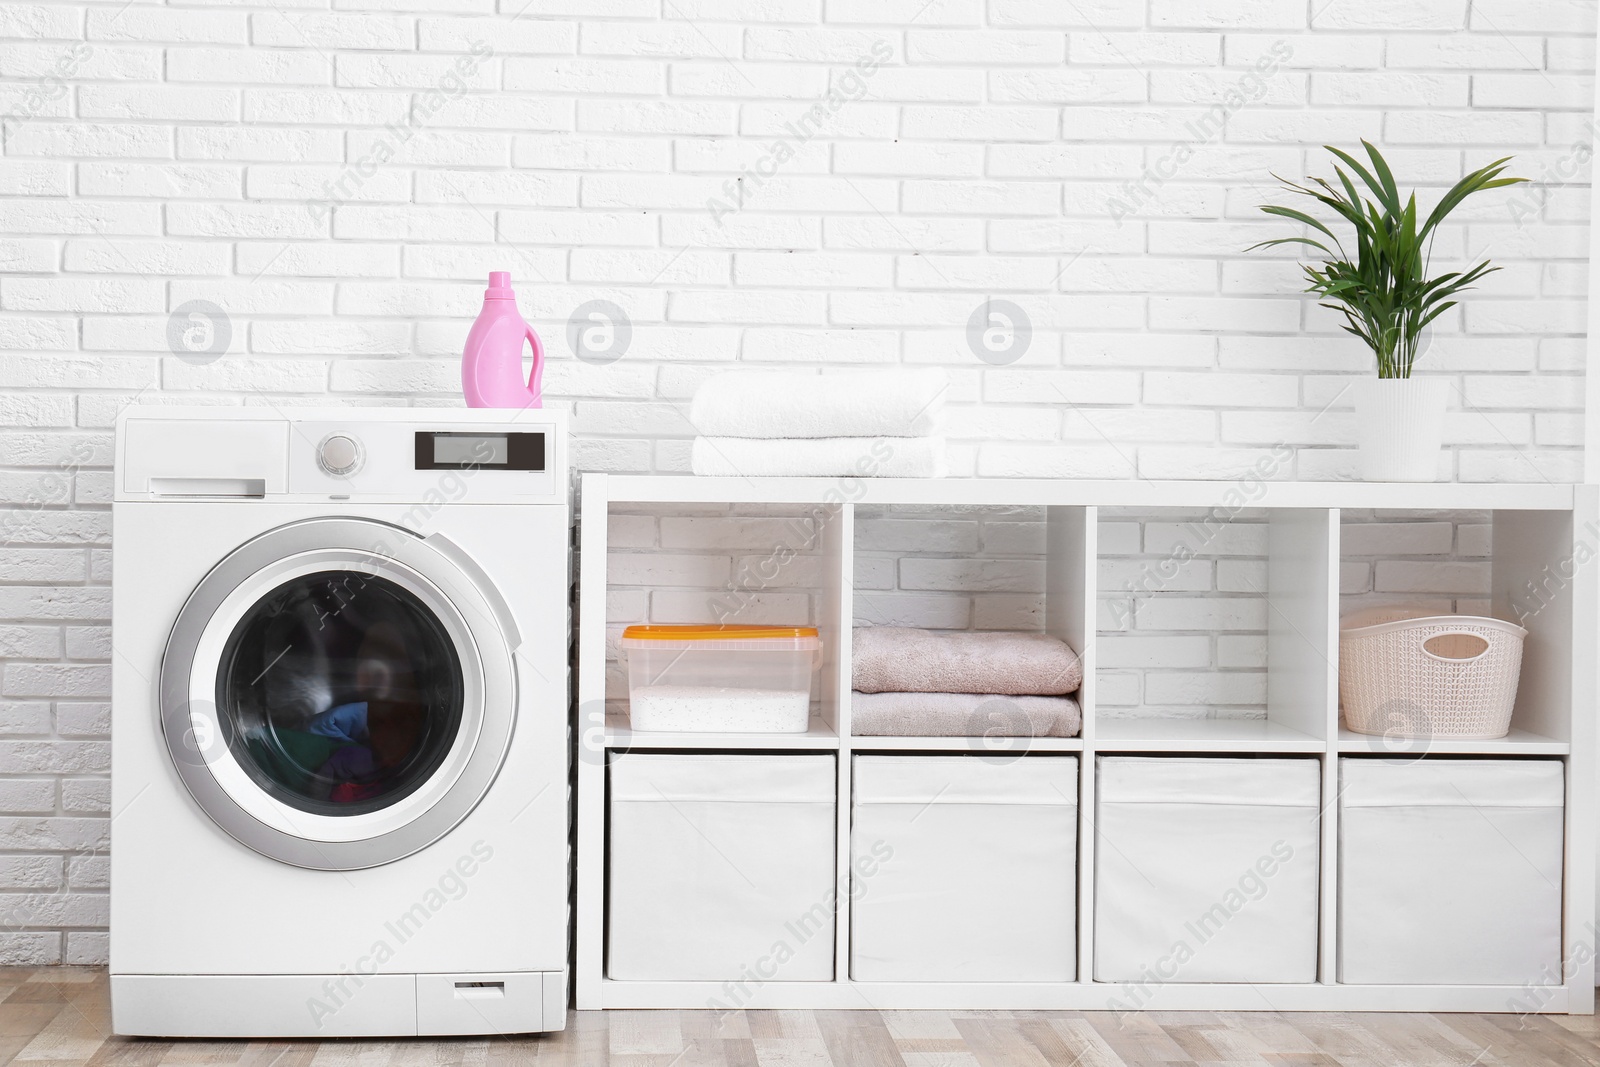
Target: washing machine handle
491,596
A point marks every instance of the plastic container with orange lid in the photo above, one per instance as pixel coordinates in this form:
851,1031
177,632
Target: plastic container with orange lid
721,679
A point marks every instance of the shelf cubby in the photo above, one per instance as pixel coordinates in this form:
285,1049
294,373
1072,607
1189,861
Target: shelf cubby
1215,630
973,567
695,563
1512,564
1243,640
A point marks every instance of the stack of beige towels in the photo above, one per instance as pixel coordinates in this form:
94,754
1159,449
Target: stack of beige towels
928,683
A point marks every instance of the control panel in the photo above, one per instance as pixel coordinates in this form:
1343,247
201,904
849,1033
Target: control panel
473,456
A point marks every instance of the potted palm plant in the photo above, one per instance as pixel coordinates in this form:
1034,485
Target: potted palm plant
1387,298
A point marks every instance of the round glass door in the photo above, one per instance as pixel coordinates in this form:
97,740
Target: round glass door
340,693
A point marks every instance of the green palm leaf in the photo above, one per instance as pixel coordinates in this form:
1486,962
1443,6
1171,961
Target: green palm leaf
1392,202
1383,292
1381,166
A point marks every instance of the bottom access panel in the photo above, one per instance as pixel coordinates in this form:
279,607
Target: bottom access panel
338,1005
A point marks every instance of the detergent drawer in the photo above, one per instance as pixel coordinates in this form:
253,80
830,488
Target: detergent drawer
205,458
480,1003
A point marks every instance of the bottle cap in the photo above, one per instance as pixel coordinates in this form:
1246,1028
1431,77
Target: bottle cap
499,286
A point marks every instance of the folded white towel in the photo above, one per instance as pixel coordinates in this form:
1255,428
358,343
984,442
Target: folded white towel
860,457
888,402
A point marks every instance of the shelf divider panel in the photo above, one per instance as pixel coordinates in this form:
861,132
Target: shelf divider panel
1072,565
838,551
589,872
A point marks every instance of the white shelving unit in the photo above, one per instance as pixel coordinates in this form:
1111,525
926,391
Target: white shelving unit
1539,530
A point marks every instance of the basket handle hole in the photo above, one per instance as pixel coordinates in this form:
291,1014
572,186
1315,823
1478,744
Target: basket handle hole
1455,646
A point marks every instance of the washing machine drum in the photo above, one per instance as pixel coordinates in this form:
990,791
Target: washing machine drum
338,693
341,691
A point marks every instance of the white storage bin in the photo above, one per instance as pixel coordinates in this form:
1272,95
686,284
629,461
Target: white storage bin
1450,872
721,679
1206,870
721,866
964,870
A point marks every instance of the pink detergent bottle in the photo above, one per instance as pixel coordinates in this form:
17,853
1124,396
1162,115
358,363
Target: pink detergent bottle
491,365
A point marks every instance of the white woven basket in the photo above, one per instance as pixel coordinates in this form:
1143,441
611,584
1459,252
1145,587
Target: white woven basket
1406,673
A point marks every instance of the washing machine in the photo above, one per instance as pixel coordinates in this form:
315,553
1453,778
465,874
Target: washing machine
339,723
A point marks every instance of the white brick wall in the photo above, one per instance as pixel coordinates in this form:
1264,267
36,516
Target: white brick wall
1183,600
339,176
950,568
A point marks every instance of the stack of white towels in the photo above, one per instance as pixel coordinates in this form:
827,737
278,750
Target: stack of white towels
879,423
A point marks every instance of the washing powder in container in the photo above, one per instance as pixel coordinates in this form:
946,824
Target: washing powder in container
721,679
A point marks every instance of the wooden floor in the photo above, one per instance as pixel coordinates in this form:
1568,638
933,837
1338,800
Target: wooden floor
61,1016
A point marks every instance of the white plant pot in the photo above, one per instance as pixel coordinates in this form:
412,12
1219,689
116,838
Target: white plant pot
1400,428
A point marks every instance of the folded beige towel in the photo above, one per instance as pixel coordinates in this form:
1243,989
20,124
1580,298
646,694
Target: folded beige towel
899,659
962,715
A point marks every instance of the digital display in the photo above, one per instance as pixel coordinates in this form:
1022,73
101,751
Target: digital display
458,450
439,450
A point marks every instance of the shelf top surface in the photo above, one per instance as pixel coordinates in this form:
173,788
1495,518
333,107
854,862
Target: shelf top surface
619,735
1198,735
1229,495
1516,741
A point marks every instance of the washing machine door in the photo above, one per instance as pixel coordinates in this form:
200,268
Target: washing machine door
340,693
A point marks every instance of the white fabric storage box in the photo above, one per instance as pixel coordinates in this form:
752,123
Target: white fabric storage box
1450,872
1206,870
721,866
964,870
